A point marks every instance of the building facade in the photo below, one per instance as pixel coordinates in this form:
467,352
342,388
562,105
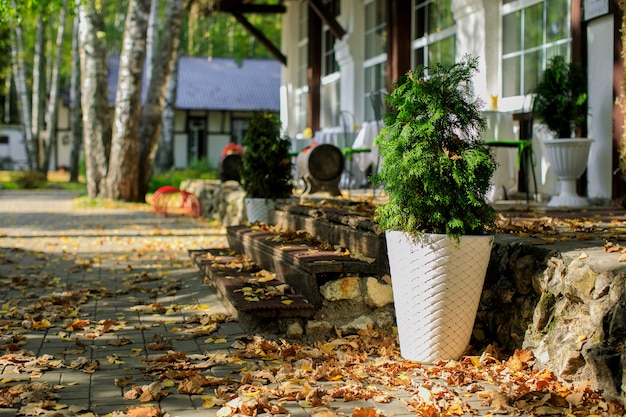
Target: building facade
343,54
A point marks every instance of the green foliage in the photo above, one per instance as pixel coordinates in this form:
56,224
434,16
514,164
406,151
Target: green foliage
220,35
266,164
435,168
561,97
197,169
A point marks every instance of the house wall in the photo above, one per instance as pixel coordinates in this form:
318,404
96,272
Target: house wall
14,149
63,151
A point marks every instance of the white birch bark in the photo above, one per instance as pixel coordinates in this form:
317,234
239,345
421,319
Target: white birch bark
51,112
75,107
38,89
151,115
96,112
19,78
123,172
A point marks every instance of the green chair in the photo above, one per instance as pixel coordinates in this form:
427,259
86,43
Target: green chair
524,147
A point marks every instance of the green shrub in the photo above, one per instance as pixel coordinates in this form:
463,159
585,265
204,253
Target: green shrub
198,169
266,164
30,180
435,168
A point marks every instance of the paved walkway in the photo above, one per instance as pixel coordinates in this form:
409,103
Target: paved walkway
97,292
116,259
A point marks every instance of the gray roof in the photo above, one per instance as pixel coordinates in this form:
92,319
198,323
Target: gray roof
220,84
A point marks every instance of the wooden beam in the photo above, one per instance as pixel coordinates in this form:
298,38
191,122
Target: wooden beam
398,40
334,26
314,70
260,36
253,8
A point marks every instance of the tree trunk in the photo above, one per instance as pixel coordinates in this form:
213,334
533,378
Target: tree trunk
51,112
39,64
20,77
75,108
165,154
152,37
123,176
151,114
94,95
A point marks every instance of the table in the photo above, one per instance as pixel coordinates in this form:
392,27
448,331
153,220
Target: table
500,128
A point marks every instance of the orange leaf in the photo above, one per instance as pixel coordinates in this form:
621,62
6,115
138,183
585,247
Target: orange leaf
149,411
364,412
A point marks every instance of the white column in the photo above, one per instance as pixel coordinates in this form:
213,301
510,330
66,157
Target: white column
469,16
600,122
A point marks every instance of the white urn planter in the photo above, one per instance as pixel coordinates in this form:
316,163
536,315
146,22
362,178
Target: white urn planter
257,209
437,286
568,160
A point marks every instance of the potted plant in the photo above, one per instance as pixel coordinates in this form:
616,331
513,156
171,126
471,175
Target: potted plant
436,172
266,166
561,104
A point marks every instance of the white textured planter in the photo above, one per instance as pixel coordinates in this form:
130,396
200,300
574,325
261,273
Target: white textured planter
436,289
257,209
568,160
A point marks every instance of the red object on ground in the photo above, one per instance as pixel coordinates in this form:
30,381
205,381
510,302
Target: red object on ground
169,199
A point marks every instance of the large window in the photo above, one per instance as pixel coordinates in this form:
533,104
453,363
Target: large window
329,92
302,89
532,32
434,33
375,57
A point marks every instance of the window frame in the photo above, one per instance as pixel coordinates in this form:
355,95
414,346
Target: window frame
430,37
373,61
521,100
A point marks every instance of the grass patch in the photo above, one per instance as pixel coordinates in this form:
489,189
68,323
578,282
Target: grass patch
107,203
32,180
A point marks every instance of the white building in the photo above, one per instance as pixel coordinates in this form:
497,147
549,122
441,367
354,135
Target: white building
341,53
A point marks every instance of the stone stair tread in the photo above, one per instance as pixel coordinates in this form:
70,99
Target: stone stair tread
247,287
306,255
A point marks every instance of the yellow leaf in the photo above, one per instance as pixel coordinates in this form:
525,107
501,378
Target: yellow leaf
43,324
251,393
287,302
198,307
456,410
208,401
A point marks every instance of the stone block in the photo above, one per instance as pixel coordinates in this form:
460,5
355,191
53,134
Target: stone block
377,294
348,288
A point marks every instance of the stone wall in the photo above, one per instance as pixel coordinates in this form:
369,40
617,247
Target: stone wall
222,202
568,307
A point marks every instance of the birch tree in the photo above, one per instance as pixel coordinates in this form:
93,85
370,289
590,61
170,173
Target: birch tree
123,178
38,88
20,78
75,107
96,116
53,101
152,111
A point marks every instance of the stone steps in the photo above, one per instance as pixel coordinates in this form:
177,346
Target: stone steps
253,295
298,258
350,227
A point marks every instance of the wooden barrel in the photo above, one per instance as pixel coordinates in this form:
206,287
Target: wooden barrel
229,168
320,167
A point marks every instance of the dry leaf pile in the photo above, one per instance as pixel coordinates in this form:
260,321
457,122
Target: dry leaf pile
275,373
